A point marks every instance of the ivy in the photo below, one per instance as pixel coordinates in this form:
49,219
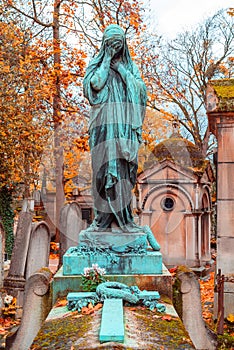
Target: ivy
7,218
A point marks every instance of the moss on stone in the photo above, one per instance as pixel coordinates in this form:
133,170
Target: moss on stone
179,151
225,341
224,90
170,334
61,333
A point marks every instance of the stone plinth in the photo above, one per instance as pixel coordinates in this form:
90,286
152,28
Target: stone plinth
147,263
64,284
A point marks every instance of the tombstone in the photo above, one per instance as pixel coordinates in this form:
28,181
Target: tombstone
2,245
15,281
70,224
192,311
39,248
36,307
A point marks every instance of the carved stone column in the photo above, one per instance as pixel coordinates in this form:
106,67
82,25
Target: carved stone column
220,111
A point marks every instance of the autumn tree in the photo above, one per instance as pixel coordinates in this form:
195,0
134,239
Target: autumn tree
23,124
23,92
64,64
180,70
67,32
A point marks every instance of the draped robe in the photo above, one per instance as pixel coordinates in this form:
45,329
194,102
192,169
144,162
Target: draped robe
116,116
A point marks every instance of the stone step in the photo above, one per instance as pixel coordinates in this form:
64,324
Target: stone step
112,323
63,284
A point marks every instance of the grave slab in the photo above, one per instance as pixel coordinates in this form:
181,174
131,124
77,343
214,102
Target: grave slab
81,332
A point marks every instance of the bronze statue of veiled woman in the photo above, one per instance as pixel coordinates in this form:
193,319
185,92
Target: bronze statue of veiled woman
117,95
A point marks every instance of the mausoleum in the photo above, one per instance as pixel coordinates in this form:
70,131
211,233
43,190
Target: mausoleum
174,194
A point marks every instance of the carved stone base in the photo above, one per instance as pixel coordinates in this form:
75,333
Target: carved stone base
14,286
113,240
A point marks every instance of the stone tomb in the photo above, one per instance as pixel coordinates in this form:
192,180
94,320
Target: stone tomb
175,201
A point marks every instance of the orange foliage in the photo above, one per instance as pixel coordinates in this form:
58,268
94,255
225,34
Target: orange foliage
23,93
207,298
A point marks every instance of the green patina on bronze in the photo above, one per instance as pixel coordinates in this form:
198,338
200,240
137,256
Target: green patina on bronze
117,95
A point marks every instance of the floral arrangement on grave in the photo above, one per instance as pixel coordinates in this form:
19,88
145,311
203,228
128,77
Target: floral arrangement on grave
92,277
9,309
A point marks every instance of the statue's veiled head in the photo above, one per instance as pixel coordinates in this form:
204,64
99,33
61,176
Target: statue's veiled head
114,36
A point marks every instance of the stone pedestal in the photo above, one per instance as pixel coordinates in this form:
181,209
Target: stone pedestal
119,253
220,110
128,257
120,263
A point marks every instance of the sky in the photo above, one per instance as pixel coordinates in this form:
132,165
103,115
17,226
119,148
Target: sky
173,16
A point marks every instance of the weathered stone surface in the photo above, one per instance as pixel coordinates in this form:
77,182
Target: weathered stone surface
225,176
220,95
183,231
20,250
36,307
225,245
14,283
39,248
220,111
143,330
225,139
119,264
225,211
192,311
70,225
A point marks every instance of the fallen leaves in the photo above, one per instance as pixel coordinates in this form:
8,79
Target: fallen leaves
173,270
230,318
6,324
207,298
60,303
167,318
90,309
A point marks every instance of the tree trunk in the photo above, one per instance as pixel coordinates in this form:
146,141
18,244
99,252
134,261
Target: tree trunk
205,142
57,120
